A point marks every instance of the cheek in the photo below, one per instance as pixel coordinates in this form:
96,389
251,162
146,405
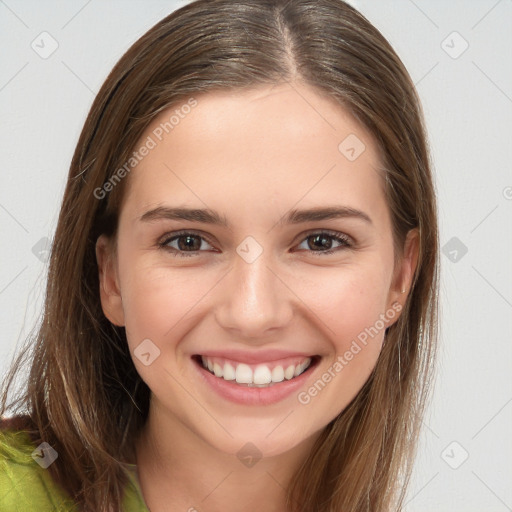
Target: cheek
347,300
159,303
350,302
162,305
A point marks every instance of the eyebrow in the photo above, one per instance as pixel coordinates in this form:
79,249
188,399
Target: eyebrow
207,216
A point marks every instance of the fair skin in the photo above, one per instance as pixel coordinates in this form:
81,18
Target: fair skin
252,157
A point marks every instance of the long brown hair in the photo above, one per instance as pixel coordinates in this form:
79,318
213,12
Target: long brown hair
83,394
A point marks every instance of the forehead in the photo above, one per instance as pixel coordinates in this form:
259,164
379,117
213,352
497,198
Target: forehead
279,145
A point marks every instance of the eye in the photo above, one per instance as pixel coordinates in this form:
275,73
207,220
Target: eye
188,243
324,240
184,242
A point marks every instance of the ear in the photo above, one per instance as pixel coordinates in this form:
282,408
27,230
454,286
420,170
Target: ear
110,292
404,273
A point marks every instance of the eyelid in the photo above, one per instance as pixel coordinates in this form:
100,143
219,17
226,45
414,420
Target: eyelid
330,232
168,237
347,240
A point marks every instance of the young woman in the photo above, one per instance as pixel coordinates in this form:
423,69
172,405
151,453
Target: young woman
242,294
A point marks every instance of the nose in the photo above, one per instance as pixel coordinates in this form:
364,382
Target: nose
255,301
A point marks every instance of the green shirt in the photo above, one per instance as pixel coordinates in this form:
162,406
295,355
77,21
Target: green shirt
25,486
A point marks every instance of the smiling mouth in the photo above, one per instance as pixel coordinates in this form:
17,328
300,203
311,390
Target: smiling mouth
261,375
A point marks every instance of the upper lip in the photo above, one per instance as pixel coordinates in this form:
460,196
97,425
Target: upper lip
261,356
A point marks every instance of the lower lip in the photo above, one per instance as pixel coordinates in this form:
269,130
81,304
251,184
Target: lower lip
233,392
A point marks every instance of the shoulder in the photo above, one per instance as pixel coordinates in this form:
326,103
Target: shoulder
27,486
25,483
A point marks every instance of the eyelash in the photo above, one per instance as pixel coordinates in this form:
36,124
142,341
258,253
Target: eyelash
343,239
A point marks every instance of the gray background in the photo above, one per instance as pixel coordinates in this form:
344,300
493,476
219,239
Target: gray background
465,456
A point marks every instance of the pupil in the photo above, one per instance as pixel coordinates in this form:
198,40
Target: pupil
189,242
324,241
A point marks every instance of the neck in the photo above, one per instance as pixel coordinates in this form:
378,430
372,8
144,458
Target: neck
180,470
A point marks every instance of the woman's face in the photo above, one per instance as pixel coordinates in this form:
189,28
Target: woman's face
255,274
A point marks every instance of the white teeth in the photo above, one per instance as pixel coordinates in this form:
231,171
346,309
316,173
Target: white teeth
301,367
278,374
229,372
262,375
243,374
217,370
289,372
